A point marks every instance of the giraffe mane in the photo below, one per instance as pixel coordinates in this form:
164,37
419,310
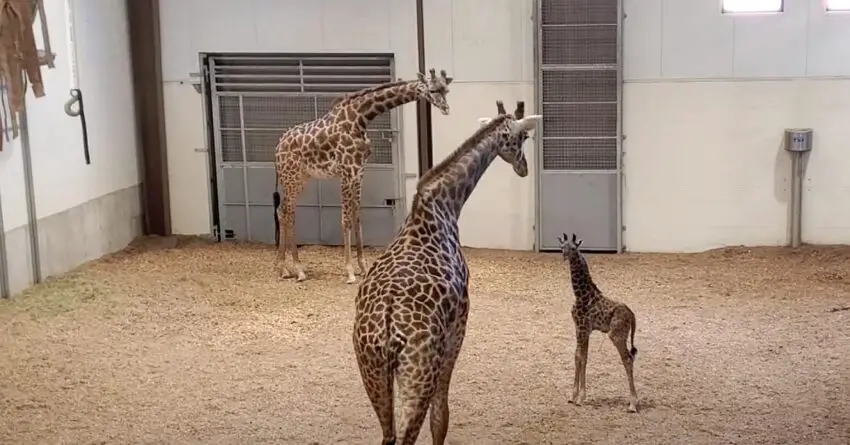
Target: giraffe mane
464,148
360,93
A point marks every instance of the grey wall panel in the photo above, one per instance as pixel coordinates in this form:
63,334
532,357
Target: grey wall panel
568,210
236,220
234,185
377,225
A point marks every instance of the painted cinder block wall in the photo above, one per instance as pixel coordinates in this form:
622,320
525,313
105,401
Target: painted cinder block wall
82,211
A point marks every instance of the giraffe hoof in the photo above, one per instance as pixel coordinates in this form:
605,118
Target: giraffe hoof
351,279
632,408
301,277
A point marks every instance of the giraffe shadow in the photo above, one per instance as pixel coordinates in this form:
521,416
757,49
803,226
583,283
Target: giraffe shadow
616,402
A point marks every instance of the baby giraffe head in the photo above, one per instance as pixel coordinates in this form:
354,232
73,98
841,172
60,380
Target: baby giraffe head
570,247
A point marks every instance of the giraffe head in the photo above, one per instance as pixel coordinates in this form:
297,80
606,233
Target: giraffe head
434,89
513,134
570,247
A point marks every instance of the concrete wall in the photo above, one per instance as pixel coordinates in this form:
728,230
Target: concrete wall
458,32
707,97
83,211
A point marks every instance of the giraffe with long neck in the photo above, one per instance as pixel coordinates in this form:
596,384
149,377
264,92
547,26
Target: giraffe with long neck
412,305
336,145
593,311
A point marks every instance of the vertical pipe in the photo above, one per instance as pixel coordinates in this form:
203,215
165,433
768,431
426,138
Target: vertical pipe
796,198
538,133
4,267
620,136
30,192
423,109
245,167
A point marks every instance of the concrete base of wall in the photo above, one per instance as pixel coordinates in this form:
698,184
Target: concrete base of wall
70,238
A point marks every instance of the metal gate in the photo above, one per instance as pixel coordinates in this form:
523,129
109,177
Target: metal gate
254,98
579,90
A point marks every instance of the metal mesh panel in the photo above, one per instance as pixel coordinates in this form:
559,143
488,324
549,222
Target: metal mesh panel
579,45
231,145
314,83
580,86
260,145
579,120
570,12
382,147
580,154
229,112
277,112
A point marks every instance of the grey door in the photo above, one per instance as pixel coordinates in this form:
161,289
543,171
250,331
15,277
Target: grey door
578,88
255,98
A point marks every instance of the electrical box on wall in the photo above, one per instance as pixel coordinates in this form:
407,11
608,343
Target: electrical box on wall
798,139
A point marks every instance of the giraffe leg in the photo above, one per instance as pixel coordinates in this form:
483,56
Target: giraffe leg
417,380
618,335
358,240
283,271
292,190
439,414
378,382
582,343
350,215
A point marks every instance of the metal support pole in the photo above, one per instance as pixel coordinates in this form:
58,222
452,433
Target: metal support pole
4,267
30,192
423,109
796,198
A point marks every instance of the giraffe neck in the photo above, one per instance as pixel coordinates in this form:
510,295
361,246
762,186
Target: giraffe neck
377,102
452,185
583,286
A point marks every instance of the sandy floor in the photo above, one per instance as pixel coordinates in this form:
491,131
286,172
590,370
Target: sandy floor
202,344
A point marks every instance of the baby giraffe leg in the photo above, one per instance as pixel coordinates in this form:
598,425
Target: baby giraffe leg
582,344
618,337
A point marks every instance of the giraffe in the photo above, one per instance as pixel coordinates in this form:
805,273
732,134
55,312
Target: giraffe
593,311
336,145
412,305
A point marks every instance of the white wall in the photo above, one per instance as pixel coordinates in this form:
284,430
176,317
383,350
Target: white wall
62,180
459,33
706,99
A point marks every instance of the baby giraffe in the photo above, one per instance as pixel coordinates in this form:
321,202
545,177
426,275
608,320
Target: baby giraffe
593,311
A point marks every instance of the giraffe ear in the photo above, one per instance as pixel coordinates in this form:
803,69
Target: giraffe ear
484,121
500,107
449,80
527,123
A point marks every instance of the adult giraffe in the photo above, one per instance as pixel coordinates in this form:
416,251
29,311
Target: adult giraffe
336,145
412,305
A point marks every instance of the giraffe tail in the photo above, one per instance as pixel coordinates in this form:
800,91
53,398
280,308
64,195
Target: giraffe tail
276,200
633,350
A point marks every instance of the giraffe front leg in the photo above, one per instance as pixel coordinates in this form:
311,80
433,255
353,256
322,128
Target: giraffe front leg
582,341
350,213
292,187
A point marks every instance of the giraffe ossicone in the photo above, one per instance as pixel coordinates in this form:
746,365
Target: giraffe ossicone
411,307
336,145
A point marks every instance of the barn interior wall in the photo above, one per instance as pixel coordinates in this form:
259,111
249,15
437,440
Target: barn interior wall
458,33
706,99
83,211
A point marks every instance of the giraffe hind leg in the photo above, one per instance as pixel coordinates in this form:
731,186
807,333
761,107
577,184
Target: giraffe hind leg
621,325
378,382
418,379
292,191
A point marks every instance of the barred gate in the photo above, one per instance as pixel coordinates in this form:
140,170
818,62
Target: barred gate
579,92
254,99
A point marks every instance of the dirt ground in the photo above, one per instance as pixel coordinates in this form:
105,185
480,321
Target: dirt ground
202,344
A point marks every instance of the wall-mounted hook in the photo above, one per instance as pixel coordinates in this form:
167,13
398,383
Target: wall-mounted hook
77,98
